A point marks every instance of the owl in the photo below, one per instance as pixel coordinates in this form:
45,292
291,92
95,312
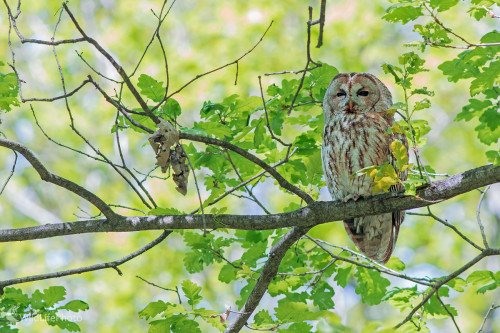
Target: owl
355,136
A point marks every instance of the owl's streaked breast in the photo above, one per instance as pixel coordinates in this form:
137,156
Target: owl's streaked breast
353,142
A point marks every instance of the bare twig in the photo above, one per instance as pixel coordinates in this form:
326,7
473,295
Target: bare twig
216,69
249,191
309,60
448,311
197,191
478,210
10,174
491,309
289,145
57,180
321,23
112,264
259,175
282,181
115,64
452,227
176,290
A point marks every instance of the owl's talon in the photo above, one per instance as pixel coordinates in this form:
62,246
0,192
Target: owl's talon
354,197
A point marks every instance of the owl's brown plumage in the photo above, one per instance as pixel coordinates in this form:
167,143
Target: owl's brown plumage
354,137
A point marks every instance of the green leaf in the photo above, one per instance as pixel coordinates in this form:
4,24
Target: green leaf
53,294
153,309
371,286
8,91
486,279
263,318
396,264
227,273
493,157
192,292
486,79
443,5
75,306
457,284
260,132
402,12
297,312
151,88
296,328
278,286
486,135
159,326
172,108
343,275
322,296
165,211
212,128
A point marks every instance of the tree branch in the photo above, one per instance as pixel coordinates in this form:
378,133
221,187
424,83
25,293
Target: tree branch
316,213
282,181
268,273
112,264
57,180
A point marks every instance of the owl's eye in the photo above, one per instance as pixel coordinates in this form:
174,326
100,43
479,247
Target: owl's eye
363,93
341,94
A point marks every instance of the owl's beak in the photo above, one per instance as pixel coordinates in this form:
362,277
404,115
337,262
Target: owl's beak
350,108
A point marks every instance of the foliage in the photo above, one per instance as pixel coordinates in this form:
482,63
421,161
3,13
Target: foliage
16,306
281,124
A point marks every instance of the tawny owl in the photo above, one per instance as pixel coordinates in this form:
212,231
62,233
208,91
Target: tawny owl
354,137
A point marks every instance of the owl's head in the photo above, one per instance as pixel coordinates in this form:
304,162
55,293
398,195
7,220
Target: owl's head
356,94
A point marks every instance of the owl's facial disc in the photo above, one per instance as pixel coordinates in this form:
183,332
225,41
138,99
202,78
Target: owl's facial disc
361,97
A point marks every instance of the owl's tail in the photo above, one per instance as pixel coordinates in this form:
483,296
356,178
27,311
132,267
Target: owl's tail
376,235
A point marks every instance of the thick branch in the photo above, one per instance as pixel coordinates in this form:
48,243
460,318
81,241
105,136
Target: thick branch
268,273
57,180
317,213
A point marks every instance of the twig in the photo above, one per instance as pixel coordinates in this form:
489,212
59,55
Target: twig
485,241
321,23
452,227
214,70
442,281
245,186
176,290
281,180
289,145
115,64
57,180
71,93
112,264
491,308
375,266
11,172
448,311
260,174
309,60
199,195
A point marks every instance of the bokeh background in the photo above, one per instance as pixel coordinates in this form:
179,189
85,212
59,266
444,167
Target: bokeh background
199,36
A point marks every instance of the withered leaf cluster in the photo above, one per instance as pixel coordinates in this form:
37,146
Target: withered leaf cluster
162,141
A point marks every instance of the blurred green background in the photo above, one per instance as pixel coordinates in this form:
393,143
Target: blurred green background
199,36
